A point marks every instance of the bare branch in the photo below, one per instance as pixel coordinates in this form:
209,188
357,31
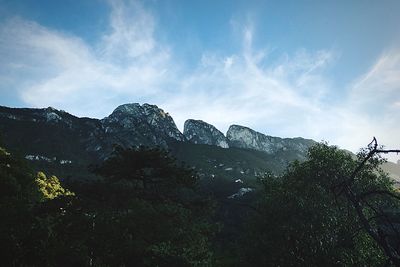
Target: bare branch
387,151
379,192
346,187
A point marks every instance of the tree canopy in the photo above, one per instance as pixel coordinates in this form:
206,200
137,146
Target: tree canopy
152,211
145,212
332,209
305,220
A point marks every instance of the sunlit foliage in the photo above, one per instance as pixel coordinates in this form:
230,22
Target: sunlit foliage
50,187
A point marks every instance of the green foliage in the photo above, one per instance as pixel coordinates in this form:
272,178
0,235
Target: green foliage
153,215
16,192
15,177
304,221
147,210
26,226
50,187
148,170
116,222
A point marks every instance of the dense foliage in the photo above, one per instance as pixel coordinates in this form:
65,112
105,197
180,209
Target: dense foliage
23,232
115,221
145,209
164,220
305,220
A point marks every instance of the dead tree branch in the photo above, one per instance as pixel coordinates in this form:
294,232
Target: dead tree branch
358,202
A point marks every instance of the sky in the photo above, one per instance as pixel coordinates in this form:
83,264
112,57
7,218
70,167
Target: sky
326,70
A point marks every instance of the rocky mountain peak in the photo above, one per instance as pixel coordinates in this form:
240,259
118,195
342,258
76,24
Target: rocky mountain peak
200,132
134,124
51,109
146,111
128,109
244,137
153,109
51,114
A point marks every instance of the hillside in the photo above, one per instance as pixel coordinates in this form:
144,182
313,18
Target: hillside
60,143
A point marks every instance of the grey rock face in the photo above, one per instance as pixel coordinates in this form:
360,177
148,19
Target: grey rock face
244,137
200,132
133,124
129,125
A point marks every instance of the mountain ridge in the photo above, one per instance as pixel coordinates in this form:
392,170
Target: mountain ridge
200,132
134,124
49,136
63,144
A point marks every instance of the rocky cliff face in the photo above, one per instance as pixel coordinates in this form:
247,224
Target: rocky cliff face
53,133
133,124
65,145
200,132
243,137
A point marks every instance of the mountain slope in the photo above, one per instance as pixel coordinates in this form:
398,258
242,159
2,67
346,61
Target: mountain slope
200,132
244,137
60,143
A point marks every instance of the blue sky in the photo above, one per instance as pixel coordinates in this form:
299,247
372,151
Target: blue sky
327,70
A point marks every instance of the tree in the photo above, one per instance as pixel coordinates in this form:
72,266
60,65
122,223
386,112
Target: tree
50,187
381,225
151,213
145,212
32,214
148,170
305,219
17,196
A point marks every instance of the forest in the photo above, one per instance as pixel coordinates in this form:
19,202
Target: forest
147,209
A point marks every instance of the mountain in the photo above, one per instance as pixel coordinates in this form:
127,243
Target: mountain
394,171
57,133
51,133
200,132
132,125
62,144
244,137
146,124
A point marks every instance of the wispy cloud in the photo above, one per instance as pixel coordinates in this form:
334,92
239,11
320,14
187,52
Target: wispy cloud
287,97
242,88
131,35
373,104
48,67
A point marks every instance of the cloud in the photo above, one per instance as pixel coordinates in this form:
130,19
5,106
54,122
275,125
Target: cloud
287,97
369,108
372,105
243,89
61,70
379,88
131,34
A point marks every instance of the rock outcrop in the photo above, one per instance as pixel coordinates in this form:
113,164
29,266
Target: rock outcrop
54,133
244,137
133,124
200,132
129,125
